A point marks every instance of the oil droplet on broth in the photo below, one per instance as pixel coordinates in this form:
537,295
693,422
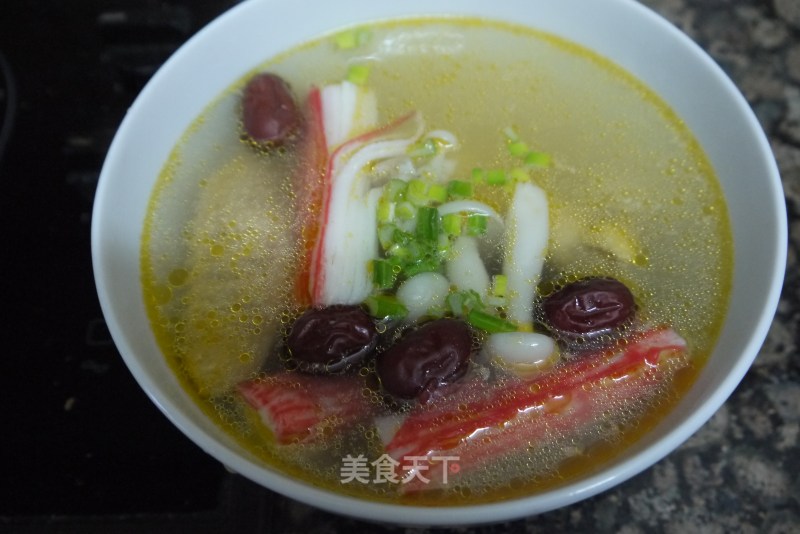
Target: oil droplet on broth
178,276
162,294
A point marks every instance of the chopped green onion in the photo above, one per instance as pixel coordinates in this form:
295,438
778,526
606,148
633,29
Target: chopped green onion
417,192
451,224
402,237
386,235
478,175
463,302
490,323
459,189
538,159
352,38
437,193
402,244
427,224
496,177
499,285
472,300
427,264
495,302
385,211
399,252
518,174
346,40
518,149
477,223
455,303
396,189
405,210
396,262
444,245
358,74
383,274
385,307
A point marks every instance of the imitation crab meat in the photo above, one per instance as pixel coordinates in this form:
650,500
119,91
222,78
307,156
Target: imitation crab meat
480,427
297,408
338,198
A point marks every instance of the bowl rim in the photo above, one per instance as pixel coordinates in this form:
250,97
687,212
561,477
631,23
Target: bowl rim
615,473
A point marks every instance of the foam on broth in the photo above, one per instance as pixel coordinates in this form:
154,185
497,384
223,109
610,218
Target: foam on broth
218,257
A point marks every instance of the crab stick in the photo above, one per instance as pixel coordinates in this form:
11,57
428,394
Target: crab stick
338,199
296,408
481,426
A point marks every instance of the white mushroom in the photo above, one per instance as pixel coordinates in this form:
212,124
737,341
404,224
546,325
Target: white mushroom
422,292
465,269
488,244
525,352
526,236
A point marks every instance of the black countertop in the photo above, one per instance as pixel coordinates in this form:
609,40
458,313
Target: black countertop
84,450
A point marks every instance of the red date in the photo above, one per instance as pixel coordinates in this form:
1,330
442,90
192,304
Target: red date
331,340
433,355
589,308
269,112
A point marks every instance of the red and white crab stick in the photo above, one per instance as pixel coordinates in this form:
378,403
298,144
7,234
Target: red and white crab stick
480,428
338,199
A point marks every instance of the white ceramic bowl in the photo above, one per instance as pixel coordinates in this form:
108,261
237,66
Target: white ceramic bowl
622,30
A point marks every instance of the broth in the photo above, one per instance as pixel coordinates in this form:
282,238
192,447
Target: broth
631,196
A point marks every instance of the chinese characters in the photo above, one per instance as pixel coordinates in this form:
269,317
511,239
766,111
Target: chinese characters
387,470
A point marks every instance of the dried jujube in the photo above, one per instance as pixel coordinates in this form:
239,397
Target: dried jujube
270,114
331,339
589,308
433,355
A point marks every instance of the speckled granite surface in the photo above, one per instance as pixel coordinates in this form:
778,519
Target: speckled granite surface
739,472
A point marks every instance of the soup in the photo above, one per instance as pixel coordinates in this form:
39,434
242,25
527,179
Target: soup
437,261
